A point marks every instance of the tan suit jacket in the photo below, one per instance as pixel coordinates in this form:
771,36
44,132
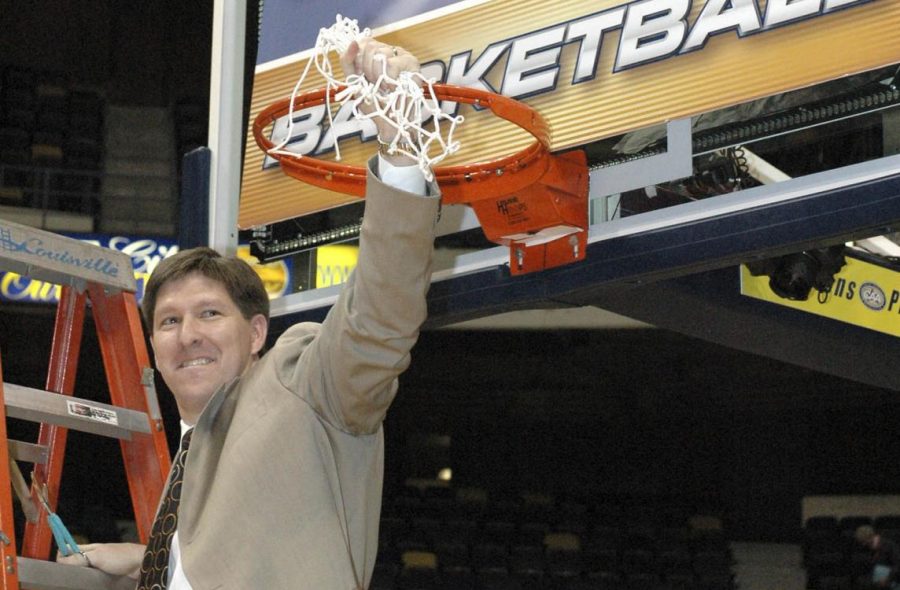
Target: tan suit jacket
282,487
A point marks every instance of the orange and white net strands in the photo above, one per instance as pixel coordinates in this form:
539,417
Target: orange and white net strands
408,103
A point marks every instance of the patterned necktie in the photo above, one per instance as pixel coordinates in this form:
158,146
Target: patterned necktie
155,567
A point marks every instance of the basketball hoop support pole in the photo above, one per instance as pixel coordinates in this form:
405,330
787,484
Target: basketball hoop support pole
225,112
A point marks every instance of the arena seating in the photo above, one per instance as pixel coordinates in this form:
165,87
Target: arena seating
51,138
438,538
831,556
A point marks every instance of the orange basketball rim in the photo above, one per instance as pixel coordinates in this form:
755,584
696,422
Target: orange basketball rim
533,201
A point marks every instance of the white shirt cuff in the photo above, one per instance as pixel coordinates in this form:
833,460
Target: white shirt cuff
405,178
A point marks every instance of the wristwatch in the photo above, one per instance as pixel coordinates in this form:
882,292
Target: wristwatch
384,147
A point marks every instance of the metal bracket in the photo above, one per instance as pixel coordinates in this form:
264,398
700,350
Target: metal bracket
149,382
675,163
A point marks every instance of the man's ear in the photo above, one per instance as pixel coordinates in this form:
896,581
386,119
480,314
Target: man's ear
259,329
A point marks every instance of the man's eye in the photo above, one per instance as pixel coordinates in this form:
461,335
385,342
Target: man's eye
167,322
208,313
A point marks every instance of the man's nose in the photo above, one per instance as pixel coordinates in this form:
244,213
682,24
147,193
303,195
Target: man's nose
191,332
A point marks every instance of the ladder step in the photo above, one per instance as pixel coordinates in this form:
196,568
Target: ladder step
36,574
62,260
23,451
38,405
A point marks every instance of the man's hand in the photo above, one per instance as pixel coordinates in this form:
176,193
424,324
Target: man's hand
371,58
117,559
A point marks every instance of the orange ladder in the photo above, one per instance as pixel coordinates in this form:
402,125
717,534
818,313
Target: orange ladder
103,277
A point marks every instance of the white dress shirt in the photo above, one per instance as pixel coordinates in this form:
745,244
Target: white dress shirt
406,178
177,580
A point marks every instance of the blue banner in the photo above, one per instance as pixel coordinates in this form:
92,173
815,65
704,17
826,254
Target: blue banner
145,254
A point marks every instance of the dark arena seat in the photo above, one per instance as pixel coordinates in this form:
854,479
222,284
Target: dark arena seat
831,556
509,544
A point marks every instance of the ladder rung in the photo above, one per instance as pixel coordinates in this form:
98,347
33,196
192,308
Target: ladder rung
23,451
38,405
36,574
62,260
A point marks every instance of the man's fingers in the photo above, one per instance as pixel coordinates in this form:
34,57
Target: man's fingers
403,62
369,65
348,59
73,559
372,58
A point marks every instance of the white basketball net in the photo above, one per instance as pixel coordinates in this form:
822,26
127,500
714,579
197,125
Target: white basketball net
402,102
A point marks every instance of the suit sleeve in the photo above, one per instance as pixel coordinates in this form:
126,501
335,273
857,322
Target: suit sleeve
348,368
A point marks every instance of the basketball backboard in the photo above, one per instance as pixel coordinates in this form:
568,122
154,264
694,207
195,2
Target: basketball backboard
702,123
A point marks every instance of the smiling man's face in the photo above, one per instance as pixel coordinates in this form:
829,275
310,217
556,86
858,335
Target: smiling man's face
201,341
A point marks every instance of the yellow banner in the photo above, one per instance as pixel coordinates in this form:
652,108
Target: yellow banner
334,264
275,275
593,69
863,294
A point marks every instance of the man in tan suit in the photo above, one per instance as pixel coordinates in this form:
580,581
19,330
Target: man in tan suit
282,481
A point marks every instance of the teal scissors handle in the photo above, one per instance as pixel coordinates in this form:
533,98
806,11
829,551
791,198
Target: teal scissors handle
64,540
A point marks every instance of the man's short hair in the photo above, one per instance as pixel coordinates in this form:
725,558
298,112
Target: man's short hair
864,534
240,281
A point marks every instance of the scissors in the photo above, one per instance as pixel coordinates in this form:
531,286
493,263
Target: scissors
61,534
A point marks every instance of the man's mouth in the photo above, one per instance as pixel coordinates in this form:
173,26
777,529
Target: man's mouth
196,363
